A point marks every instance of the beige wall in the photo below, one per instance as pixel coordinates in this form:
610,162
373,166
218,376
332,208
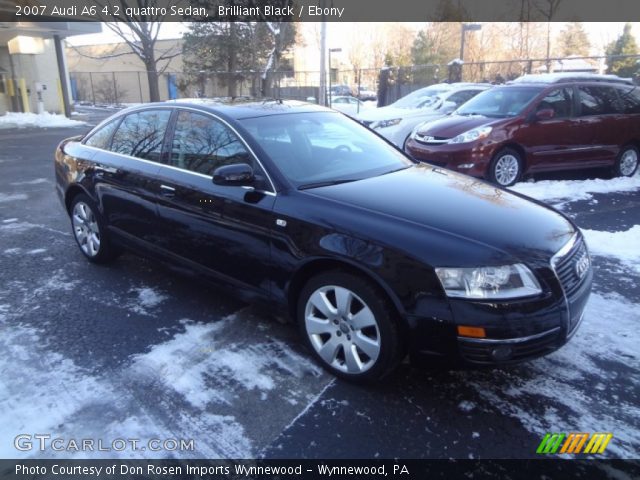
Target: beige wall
41,68
112,73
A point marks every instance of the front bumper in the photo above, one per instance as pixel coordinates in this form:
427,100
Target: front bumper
515,331
457,157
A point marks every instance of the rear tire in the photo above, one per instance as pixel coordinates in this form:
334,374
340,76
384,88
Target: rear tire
506,167
627,162
349,326
90,232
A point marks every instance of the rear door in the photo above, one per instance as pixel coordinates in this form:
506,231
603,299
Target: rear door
225,229
126,174
601,118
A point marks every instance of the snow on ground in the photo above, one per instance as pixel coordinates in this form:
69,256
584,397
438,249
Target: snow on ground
552,394
147,298
546,190
12,198
42,120
36,181
623,245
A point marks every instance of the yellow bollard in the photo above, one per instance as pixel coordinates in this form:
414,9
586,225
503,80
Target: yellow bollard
25,98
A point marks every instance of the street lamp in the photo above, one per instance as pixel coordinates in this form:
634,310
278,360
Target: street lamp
331,50
467,27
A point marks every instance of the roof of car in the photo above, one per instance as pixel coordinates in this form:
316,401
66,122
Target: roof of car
567,77
242,110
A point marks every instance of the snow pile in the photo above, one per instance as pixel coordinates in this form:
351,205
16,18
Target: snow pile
623,245
42,120
576,189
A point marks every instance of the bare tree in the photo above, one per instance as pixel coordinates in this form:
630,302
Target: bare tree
548,10
140,33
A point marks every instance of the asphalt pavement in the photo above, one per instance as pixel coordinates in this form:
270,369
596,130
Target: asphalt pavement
136,349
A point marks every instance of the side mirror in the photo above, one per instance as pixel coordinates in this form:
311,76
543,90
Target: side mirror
545,114
448,107
237,174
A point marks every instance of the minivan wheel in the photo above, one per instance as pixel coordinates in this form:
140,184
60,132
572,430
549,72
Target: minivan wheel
506,167
90,232
349,326
627,162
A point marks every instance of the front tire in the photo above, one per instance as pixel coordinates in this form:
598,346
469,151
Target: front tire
506,167
349,326
626,162
90,231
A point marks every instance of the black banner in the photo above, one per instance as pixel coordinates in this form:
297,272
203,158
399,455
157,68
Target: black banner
318,469
320,10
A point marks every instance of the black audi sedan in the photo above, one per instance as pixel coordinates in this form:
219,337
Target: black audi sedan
373,255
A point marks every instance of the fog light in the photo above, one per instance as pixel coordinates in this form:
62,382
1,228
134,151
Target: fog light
466,166
502,353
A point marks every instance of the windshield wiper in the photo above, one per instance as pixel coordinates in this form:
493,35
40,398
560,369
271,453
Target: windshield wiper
327,183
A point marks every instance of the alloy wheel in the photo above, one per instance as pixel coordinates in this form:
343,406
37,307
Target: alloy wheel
342,329
628,162
86,229
507,169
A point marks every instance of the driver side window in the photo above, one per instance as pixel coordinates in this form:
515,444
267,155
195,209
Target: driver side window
201,144
560,101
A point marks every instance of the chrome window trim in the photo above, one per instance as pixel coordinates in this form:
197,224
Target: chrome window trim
184,170
509,340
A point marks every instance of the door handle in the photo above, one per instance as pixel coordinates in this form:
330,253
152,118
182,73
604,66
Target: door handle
167,191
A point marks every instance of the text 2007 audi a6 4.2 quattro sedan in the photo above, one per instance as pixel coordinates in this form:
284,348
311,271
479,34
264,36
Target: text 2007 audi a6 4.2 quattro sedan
373,255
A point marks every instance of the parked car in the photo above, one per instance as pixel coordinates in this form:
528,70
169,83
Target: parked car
349,105
303,208
538,123
396,121
341,90
365,94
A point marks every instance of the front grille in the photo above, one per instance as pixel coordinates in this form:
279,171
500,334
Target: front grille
481,351
566,270
429,139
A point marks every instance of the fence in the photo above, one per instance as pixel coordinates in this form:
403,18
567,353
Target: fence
390,83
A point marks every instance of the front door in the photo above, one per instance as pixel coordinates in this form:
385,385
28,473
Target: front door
225,229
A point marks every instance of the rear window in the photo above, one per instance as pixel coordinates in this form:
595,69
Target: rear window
101,138
598,101
141,134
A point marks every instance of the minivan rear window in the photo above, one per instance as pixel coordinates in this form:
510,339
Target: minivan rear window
500,102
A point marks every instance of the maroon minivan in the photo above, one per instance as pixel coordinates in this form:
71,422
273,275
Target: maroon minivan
537,123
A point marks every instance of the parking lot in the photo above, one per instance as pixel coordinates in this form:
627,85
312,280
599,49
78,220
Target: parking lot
136,351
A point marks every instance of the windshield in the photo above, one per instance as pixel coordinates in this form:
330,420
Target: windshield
500,102
317,148
420,98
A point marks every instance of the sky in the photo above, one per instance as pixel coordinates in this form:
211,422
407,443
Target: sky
601,33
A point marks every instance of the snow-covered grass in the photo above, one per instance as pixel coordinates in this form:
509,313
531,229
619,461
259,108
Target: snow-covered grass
42,120
546,190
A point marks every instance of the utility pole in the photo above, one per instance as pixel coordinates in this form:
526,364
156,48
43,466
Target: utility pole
322,99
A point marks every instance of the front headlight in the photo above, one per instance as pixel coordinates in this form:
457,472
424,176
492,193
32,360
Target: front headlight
491,283
472,135
386,123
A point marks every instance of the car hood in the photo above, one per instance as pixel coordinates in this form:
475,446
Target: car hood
441,213
454,125
389,113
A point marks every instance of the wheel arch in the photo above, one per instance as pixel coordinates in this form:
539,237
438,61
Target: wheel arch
320,265
72,192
